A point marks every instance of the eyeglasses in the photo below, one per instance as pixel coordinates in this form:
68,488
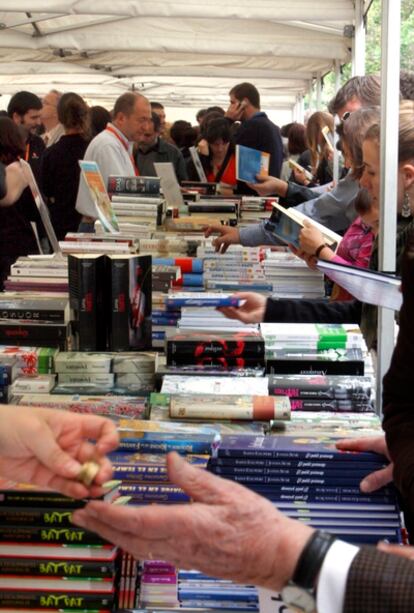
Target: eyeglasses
346,115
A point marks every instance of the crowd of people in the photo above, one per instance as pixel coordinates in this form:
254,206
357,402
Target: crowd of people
228,531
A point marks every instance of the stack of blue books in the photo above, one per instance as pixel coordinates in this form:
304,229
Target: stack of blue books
312,481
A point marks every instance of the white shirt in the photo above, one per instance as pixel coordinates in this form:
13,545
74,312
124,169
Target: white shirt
113,156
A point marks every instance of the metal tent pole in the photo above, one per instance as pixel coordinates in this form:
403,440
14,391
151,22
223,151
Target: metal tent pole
390,77
336,119
358,43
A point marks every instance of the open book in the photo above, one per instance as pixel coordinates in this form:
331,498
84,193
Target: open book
98,205
370,286
42,208
250,163
286,224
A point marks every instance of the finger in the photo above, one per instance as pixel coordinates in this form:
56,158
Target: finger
365,443
48,452
224,245
154,523
374,481
399,550
199,484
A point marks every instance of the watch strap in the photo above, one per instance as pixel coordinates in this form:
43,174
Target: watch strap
311,559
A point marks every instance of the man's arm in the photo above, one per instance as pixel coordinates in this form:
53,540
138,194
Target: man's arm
379,581
292,311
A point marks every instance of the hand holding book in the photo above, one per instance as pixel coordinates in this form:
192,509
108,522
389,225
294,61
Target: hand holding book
47,448
251,311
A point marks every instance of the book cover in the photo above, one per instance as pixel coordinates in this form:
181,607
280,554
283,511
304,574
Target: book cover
250,163
330,362
98,205
14,494
286,224
133,185
48,534
130,302
199,345
87,289
290,447
322,387
55,568
53,551
370,286
56,310
154,493
212,406
197,164
182,299
47,599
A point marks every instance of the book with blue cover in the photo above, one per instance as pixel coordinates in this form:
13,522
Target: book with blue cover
183,299
250,163
289,447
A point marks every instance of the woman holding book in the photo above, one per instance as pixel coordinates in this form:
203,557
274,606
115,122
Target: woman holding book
220,162
318,157
258,308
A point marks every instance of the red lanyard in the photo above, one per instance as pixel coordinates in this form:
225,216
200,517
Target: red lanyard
125,146
27,153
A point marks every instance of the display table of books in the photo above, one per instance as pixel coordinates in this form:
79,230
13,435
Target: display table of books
125,326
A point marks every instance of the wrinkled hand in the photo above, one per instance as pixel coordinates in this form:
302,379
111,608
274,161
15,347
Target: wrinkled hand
47,448
378,478
228,235
228,531
251,311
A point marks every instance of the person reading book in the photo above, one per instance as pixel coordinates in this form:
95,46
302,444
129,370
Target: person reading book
219,161
318,157
257,308
46,447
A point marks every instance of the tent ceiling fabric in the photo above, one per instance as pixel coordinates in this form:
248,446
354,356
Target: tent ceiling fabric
186,52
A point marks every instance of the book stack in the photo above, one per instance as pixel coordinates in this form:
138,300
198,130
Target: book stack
102,373
290,277
45,561
325,393
97,245
329,424
26,365
169,246
254,209
47,274
311,349
240,349
163,319
111,298
213,209
191,275
199,591
149,211
113,407
310,480
239,269
158,585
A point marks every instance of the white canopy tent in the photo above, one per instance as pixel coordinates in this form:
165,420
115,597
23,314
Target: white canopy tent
181,52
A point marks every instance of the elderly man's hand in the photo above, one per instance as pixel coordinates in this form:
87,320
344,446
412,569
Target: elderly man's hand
228,531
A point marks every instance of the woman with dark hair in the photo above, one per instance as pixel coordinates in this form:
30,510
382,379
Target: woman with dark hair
16,233
295,146
183,136
59,167
99,118
220,162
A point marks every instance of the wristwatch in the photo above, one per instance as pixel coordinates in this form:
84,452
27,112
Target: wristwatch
300,593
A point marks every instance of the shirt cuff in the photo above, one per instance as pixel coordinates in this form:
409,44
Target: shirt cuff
333,577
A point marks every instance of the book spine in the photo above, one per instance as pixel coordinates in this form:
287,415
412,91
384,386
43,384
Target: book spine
244,407
61,601
314,367
159,446
292,473
267,454
47,534
176,348
140,473
299,404
55,568
290,464
267,482
154,493
14,329
86,295
133,185
54,315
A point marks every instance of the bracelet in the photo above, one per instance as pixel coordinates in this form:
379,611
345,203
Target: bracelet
311,559
319,249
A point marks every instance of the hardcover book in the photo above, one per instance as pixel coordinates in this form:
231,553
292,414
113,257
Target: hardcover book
133,185
322,387
130,302
250,163
211,406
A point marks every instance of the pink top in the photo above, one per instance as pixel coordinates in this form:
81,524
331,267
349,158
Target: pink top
355,249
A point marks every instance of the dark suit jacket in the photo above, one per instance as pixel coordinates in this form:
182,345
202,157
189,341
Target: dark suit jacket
398,397
379,583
